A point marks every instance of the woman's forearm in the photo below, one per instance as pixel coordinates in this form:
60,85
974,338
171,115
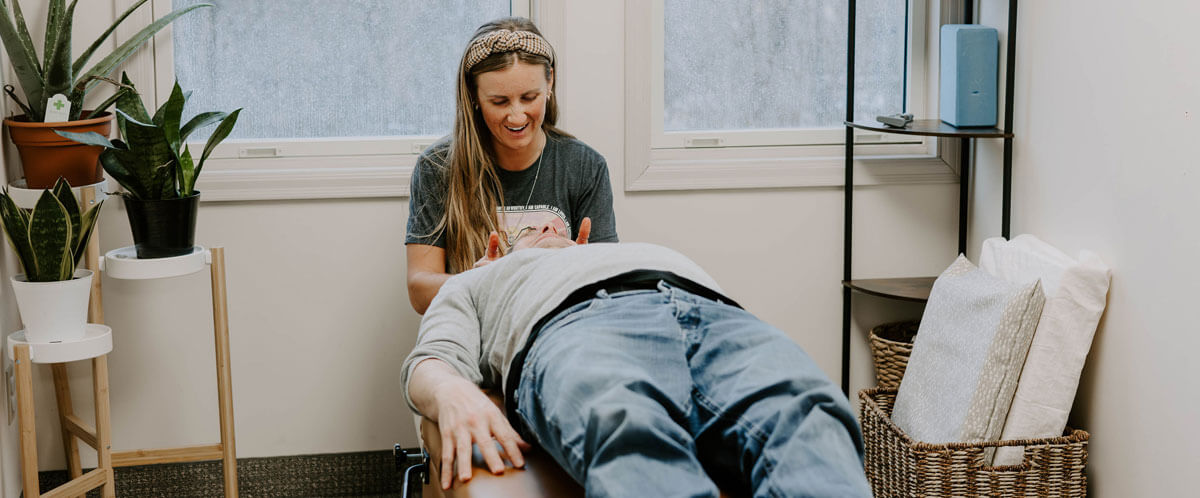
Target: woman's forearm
422,286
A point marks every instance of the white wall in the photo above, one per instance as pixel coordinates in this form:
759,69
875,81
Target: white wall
1107,117
319,315
10,463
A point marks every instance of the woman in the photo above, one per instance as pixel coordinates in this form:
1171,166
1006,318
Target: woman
505,168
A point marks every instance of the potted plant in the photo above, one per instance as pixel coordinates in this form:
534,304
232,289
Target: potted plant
156,167
52,295
65,82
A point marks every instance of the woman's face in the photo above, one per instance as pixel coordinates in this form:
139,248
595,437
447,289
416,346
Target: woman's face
513,104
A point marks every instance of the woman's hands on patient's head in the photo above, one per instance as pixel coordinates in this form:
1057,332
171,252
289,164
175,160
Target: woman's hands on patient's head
493,246
466,416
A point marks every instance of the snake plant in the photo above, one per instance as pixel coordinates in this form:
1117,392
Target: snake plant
50,239
154,162
56,73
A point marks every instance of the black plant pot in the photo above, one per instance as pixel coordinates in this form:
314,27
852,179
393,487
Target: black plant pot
163,228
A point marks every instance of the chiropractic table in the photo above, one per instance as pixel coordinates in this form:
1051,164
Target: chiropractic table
541,477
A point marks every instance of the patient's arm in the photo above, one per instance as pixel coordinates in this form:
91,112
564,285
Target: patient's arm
465,416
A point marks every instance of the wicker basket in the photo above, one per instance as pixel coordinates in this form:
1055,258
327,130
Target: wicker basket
891,343
897,466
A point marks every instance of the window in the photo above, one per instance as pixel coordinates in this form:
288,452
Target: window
339,97
728,94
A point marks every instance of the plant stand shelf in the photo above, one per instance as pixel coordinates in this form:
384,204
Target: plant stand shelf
123,264
96,341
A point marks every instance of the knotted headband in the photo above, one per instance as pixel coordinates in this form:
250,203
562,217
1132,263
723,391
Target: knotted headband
505,40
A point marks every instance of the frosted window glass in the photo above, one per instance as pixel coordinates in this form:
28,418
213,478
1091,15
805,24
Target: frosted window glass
321,68
778,63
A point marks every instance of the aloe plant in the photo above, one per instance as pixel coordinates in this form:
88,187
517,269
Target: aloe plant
56,73
51,238
154,161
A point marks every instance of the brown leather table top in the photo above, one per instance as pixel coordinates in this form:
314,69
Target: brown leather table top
541,477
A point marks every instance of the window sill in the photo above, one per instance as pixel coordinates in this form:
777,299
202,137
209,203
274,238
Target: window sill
778,167
761,173
389,176
305,178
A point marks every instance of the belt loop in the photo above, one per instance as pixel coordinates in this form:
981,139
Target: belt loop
663,287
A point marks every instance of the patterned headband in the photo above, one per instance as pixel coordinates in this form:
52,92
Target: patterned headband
504,40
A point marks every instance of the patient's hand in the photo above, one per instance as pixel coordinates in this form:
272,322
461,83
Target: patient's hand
493,251
465,415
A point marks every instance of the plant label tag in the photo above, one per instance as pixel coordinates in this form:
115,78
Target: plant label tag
58,109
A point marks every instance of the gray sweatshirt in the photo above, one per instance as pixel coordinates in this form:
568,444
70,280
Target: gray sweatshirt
481,318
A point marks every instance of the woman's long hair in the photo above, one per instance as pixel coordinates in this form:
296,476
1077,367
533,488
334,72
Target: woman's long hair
474,188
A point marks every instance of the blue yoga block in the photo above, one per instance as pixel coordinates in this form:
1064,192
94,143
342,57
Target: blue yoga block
970,55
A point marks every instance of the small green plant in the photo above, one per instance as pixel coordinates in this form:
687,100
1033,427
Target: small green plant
154,161
56,73
51,238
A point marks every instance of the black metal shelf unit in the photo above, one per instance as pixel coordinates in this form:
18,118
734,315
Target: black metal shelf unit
917,288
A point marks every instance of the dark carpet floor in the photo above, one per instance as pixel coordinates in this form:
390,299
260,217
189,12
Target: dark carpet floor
365,474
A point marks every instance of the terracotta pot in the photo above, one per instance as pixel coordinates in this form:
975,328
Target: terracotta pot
163,228
45,156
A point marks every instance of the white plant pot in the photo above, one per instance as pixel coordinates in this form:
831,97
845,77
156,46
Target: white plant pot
54,311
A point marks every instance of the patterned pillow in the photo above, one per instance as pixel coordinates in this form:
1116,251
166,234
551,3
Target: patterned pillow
967,356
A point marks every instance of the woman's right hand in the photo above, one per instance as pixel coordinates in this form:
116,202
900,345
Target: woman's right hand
493,251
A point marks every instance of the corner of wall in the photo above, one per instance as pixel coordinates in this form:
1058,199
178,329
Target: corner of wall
10,482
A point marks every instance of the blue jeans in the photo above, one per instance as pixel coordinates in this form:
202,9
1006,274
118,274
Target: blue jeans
665,393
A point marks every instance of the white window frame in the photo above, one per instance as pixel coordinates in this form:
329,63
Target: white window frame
293,168
659,160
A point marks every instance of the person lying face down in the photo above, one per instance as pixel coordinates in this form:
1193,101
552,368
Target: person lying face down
629,366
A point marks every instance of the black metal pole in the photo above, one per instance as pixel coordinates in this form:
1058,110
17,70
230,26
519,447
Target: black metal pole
1009,76
964,191
964,161
848,210
904,73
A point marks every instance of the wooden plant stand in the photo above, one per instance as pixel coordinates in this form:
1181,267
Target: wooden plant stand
95,345
119,263
123,263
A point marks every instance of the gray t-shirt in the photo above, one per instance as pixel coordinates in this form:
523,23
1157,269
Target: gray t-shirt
571,183
481,318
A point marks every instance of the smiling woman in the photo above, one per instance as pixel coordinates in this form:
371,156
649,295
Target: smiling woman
506,166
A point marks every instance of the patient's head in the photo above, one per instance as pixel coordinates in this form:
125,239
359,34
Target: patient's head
546,236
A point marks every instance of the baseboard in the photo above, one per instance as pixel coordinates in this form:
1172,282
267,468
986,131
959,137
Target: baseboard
371,473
